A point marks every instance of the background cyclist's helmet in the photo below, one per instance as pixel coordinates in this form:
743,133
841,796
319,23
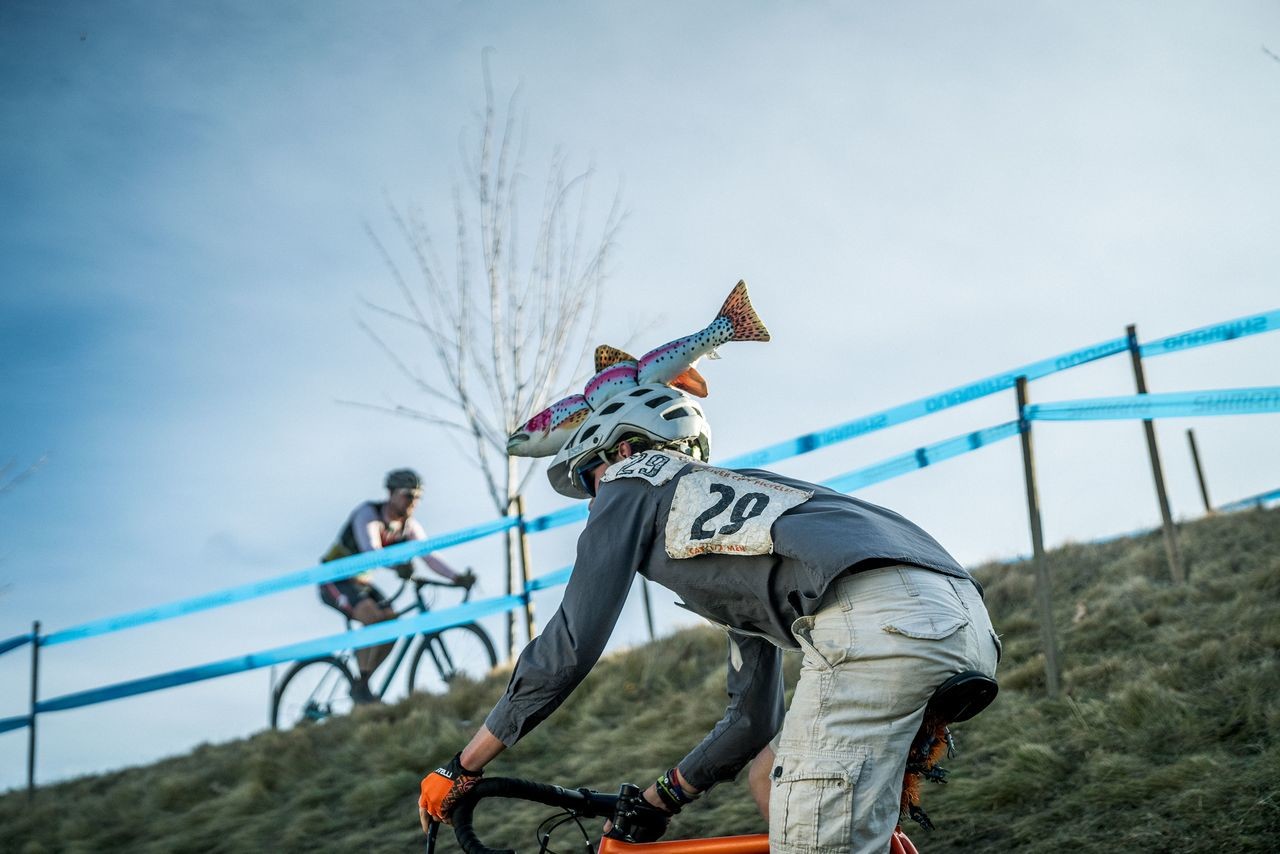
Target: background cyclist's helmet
654,412
403,479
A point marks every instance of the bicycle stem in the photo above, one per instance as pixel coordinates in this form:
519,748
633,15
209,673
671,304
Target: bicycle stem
433,828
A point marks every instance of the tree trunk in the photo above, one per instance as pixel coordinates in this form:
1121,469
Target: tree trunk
513,545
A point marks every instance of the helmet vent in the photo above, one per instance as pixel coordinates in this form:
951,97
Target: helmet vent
658,401
677,413
586,434
611,408
640,392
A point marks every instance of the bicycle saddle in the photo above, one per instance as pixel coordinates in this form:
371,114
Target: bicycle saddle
962,696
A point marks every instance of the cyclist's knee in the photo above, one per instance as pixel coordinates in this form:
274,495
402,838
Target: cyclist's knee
367,611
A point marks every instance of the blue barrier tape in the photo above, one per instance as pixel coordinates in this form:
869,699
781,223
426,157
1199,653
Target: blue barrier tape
19,722
341,568
925,405
383,632
1215,334
921,457
1238,401
355,564
557,518
1261,500
551,579
367,636
15,642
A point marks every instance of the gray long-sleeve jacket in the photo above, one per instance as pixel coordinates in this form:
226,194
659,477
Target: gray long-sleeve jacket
756,551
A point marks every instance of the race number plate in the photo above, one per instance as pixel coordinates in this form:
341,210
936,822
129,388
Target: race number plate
657,467
722,512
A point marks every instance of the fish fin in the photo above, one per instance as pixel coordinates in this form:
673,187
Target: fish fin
692,382
747,325
607,356
574,419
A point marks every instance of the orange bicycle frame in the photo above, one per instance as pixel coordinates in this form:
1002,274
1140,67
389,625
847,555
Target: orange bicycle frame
757,843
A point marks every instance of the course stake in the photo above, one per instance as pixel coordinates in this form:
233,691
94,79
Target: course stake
31,728
530,624
1195,460
1171,549
1044,593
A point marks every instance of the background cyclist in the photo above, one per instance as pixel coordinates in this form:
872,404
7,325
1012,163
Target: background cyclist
374,525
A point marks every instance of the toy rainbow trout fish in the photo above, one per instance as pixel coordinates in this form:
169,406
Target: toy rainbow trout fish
737,321
671,364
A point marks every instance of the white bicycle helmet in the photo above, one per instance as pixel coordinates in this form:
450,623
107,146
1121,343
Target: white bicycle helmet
653,411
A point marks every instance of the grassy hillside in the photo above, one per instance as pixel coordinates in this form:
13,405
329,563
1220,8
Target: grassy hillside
1165,740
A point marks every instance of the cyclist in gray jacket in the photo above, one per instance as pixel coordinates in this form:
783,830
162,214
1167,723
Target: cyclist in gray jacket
881,612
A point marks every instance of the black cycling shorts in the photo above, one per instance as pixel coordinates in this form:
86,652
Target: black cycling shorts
344,595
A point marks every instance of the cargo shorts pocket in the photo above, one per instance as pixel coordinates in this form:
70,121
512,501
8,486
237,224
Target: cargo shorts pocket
925,626
811,807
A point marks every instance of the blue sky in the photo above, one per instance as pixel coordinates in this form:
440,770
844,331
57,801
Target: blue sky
919,195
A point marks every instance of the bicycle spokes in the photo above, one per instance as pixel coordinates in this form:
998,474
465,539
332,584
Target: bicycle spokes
312,692
444,661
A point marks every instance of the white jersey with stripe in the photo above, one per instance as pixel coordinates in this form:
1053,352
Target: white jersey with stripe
366,530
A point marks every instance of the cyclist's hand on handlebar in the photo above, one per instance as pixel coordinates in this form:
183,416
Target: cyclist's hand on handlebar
442,788
465,579
650,824
642,823
404,570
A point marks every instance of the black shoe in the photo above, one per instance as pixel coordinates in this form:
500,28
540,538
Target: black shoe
963,696
361,694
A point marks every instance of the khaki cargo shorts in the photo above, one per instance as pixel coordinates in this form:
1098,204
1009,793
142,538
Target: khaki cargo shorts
879,645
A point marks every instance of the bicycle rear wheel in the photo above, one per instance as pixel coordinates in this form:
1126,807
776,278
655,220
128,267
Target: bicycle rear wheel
311,692
459,651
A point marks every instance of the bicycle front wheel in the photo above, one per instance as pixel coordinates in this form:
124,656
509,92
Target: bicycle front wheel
311,692
457,652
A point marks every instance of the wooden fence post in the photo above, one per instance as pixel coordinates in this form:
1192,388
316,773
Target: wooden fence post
31,727
1171,549
509,616
530,625
1195,460
1044,593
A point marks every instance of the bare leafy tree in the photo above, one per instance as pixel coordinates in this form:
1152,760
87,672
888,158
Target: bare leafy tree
508,335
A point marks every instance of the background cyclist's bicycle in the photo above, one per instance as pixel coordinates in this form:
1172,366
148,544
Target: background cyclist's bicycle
318,688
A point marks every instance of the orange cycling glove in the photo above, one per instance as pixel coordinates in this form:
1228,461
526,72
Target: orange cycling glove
443,786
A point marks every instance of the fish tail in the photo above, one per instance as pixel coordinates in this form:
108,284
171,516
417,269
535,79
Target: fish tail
607,356
747,325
